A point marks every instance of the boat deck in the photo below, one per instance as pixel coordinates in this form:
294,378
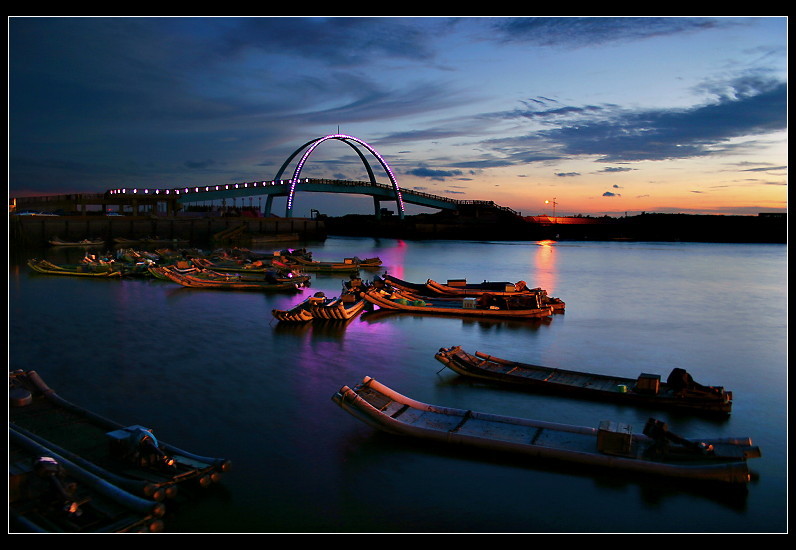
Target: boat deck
471,424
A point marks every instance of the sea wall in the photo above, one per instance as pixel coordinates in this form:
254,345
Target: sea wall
38,230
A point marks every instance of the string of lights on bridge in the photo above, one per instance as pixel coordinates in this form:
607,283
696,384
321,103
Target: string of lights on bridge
206,188
258,184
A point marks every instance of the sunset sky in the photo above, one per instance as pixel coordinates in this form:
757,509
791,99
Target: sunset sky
604,115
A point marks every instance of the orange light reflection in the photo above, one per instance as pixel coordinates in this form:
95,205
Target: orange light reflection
545,264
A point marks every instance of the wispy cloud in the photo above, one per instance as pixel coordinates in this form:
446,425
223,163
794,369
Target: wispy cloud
590,31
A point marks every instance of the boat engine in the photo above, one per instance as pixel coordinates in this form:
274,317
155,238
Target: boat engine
663,438
138,445
682,382
49,470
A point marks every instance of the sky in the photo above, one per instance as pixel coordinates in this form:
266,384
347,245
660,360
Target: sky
595,115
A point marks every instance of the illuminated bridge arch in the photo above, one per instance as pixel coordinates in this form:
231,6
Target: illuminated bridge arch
310,146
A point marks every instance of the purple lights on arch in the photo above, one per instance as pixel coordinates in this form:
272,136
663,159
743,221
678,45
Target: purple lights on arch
344,138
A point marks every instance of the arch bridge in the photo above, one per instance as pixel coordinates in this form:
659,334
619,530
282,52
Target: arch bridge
287,187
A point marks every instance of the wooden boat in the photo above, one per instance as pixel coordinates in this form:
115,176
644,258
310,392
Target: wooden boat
130,457
455,287
181,267
470,307
656,451
219,282
347,306
305,262
301,312
459,288
50,494
77,270
234,266
268,275
55,241
679,390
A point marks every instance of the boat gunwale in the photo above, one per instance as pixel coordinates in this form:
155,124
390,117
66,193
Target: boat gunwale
374,296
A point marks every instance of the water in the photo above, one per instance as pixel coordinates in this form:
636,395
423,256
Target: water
214,373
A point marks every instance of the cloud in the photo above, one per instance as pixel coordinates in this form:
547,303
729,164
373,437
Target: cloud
438,175
747,106
335,41
590,31
765,169
614,169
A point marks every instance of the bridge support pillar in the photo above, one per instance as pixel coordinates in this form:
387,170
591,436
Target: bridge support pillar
269,201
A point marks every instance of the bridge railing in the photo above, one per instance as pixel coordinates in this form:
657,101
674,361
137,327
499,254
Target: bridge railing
406,190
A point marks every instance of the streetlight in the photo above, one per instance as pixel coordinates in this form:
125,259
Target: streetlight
554,206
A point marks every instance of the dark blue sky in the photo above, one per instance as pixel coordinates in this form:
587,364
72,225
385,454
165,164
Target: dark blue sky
605,114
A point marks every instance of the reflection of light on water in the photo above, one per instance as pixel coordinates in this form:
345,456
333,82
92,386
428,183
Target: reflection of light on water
545,263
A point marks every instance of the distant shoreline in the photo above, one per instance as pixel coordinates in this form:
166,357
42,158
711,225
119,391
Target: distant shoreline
478,224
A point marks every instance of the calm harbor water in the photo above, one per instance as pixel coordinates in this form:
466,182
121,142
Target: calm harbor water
214,373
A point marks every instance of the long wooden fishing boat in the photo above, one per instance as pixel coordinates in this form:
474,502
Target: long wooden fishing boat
76,270
348,264
232,282
655,451
456,287
469,307
459,288
55,241
51,494
271,275
234,266
130,457
679,390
